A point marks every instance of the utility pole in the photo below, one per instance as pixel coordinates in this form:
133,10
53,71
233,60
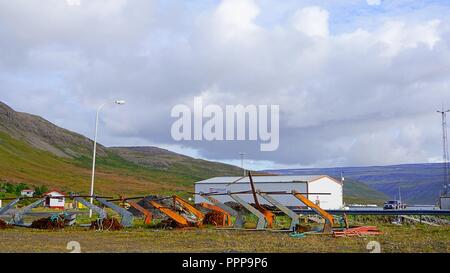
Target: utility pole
242,162
94,153
342,187
445,157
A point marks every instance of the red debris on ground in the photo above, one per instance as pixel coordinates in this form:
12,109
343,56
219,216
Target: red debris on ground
49,223
4,225
357,231
215,218
106,224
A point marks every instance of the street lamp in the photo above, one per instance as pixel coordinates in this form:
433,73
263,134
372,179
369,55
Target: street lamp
242,162
118,102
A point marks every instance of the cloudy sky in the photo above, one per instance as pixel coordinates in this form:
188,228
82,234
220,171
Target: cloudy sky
358,81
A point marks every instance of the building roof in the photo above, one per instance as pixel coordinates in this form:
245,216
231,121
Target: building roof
60,192
265,179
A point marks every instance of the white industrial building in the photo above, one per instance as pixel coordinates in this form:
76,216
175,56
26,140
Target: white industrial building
306,184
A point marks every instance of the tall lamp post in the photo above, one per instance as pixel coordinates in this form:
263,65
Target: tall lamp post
242,162
118,102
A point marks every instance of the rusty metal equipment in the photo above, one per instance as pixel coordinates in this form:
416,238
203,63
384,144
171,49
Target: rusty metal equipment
267,214
294,216
180,220
329,220
357,231
18,216
147,214
126,216
188,207
262,222
239,218
101,213
226,217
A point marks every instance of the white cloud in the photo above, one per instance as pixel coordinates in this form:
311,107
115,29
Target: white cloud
397,36
312,21
73,2
234,19
365,95
373,2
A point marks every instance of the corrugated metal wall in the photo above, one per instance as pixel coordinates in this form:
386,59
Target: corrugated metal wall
287,200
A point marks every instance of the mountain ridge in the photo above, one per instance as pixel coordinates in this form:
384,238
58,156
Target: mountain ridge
419,183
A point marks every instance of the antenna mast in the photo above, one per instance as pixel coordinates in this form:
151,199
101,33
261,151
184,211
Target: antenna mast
445,157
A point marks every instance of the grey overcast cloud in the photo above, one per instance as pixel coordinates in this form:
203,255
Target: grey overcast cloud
358,82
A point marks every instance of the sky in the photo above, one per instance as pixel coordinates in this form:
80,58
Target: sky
358,82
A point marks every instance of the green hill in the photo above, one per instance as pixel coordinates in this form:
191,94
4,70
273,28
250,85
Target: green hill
37,152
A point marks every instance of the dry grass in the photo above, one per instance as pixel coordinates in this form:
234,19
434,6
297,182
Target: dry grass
396,239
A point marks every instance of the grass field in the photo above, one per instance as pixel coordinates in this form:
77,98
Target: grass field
418,238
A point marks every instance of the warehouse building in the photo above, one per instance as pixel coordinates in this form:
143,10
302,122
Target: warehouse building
307,184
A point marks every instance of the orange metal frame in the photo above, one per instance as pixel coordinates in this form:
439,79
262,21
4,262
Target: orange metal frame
329,219
227,217
189,207
147,214
169,212
270,217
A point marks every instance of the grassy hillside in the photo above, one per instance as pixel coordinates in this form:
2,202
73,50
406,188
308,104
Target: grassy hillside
188,167
359,193
37,152
22,163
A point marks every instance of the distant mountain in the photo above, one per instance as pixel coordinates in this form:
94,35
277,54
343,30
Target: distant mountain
37,152
44,135
154,157
418,183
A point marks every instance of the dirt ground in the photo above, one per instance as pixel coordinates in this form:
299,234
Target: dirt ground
417,238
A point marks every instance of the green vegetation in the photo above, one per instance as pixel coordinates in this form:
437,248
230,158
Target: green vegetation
417,238
12,189
359,193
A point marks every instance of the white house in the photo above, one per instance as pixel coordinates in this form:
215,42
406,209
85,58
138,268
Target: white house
55,199
309,185
27,193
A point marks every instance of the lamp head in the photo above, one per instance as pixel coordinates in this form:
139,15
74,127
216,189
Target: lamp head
120,102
